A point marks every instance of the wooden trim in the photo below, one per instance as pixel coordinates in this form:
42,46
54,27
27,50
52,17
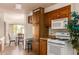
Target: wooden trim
37,9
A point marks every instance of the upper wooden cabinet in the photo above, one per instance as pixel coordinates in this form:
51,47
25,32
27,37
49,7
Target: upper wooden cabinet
58,13
36,17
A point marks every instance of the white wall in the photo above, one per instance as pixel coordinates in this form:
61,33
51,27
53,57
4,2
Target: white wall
28,29
7,32
2,36
1,25
56,6
75,7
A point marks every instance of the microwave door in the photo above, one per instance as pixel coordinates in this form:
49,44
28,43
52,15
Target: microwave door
57,25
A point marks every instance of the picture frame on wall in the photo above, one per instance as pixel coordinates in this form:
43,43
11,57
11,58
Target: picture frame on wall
30,19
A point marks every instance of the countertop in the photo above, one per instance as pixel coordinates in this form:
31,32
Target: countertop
54,39
48,38
44,38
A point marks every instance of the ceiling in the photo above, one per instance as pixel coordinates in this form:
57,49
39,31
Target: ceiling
14,18
26,7
13,15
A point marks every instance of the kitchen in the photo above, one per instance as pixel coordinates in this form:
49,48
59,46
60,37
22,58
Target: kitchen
51,37
48,30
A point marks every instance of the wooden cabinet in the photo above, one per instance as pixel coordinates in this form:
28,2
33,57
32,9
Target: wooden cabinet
43,47
35,43
35,47
39,29
56,14
36,17
36,31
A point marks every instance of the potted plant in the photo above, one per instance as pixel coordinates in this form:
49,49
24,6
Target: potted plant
73,29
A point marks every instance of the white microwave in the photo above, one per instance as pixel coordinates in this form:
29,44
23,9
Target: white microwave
59,23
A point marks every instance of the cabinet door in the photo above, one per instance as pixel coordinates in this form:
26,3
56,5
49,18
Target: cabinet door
35,46
43,47
36,17
36,31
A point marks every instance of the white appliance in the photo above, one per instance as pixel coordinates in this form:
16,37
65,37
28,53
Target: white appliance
59,23
59,45
62,35
56,47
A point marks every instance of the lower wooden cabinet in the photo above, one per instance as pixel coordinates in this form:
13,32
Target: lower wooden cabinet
35,47
43,47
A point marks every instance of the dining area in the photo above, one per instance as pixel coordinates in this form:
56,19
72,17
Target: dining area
18,40
16,45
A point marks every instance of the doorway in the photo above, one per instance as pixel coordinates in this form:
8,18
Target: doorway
16,31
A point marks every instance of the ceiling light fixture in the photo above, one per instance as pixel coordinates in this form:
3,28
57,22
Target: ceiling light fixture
18,6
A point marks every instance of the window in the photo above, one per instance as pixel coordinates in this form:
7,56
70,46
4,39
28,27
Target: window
17,28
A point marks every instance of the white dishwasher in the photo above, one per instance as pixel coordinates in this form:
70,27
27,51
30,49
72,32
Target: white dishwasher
56,47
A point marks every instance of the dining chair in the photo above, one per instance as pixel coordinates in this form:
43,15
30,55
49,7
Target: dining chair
11,39
20,38
28,44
